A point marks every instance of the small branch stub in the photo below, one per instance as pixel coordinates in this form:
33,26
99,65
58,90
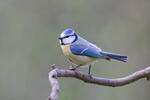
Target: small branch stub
55,73
53,66
147,73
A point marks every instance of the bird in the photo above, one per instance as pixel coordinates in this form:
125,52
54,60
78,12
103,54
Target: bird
82,52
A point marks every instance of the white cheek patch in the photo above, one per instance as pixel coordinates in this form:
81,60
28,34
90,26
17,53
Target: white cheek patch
68,40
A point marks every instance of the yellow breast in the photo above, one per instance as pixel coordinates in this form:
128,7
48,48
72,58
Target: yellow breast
76,59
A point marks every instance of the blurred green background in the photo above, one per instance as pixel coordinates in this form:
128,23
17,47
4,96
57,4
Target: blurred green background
28,43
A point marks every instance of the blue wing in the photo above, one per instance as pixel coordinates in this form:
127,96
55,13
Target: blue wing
85,50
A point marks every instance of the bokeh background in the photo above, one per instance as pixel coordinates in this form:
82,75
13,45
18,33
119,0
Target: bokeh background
28,43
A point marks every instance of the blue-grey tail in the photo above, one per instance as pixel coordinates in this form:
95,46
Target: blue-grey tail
109,55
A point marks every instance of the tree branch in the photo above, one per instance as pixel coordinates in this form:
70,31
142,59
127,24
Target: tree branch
56,72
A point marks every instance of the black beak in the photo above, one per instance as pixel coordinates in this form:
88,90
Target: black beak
59,38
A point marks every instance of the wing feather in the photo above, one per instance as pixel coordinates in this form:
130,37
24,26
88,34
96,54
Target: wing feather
85,50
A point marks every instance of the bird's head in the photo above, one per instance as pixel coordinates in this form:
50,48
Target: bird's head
68,36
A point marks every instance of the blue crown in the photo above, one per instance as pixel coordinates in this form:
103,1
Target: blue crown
69,31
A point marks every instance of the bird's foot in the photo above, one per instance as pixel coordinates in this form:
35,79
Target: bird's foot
72,68
90,75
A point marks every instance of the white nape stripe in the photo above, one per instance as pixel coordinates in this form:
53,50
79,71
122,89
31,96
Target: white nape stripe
62,35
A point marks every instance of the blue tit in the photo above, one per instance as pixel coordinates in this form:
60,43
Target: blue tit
81,52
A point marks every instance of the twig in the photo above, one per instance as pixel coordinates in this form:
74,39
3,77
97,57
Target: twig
145,73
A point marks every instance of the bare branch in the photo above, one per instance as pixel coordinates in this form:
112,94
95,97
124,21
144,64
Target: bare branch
145,73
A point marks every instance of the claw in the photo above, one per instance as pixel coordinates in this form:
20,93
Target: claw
74,68
90,75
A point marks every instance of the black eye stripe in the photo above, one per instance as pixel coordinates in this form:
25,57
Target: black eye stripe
65,37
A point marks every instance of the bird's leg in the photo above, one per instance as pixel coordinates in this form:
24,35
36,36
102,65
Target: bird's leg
89,72
70,63
74,68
